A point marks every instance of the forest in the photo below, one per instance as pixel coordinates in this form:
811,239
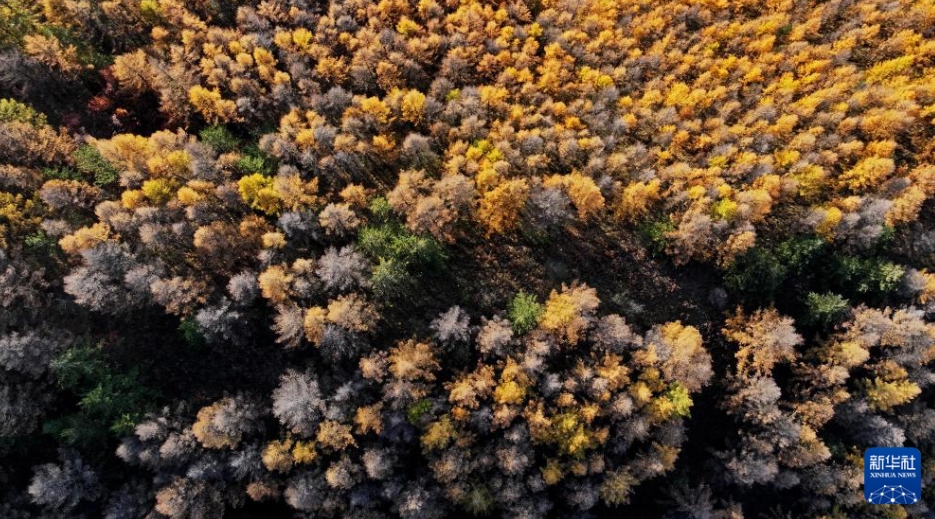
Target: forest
424,259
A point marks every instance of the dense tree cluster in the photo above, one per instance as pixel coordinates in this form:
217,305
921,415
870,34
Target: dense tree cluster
375,258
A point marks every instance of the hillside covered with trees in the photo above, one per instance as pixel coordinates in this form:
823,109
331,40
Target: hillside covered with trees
463,258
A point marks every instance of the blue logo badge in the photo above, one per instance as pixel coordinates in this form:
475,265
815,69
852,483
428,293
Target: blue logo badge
892,475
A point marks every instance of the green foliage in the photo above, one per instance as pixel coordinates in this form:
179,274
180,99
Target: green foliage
376,241
42,245
61,173
868,276
417,410
418,251
12,110
653,234
390,280
887,276
255,161
884,241
91,163
826,309
219,138
757,275
392,241
524,312
380,209
798,253
76,365
109,403
188,329
401,257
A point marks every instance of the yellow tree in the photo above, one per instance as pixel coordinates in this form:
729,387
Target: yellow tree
500,208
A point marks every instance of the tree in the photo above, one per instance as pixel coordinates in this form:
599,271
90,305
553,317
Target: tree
275,284
243,287
184,497
494,335
49,51
613,333
568,313
884,395
353,313
338,219
29,354
343,270
765,338
98,283
524,312
224,423
500,207
582,191
452,326
683,359
826,309
637,198
289,325
298,403
62,487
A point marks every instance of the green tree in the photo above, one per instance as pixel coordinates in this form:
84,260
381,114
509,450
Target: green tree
826,309
524,312
109,403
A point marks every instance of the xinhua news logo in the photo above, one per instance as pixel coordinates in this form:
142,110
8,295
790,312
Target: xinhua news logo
892,475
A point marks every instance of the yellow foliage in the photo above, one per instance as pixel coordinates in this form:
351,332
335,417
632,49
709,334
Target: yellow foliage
354,195
277,456
637,198
868,173
206,431
928,292
188,196
315,319
883,395
906,207
413,106
849,354
291,192
257,191
212,105
887,69
303,453
84,238
407,27
509,393
552,472
375,107
567,313
500,207
830,218
274,240
335,435
274,284
369,418
133,198
582,191
439,434
158,191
